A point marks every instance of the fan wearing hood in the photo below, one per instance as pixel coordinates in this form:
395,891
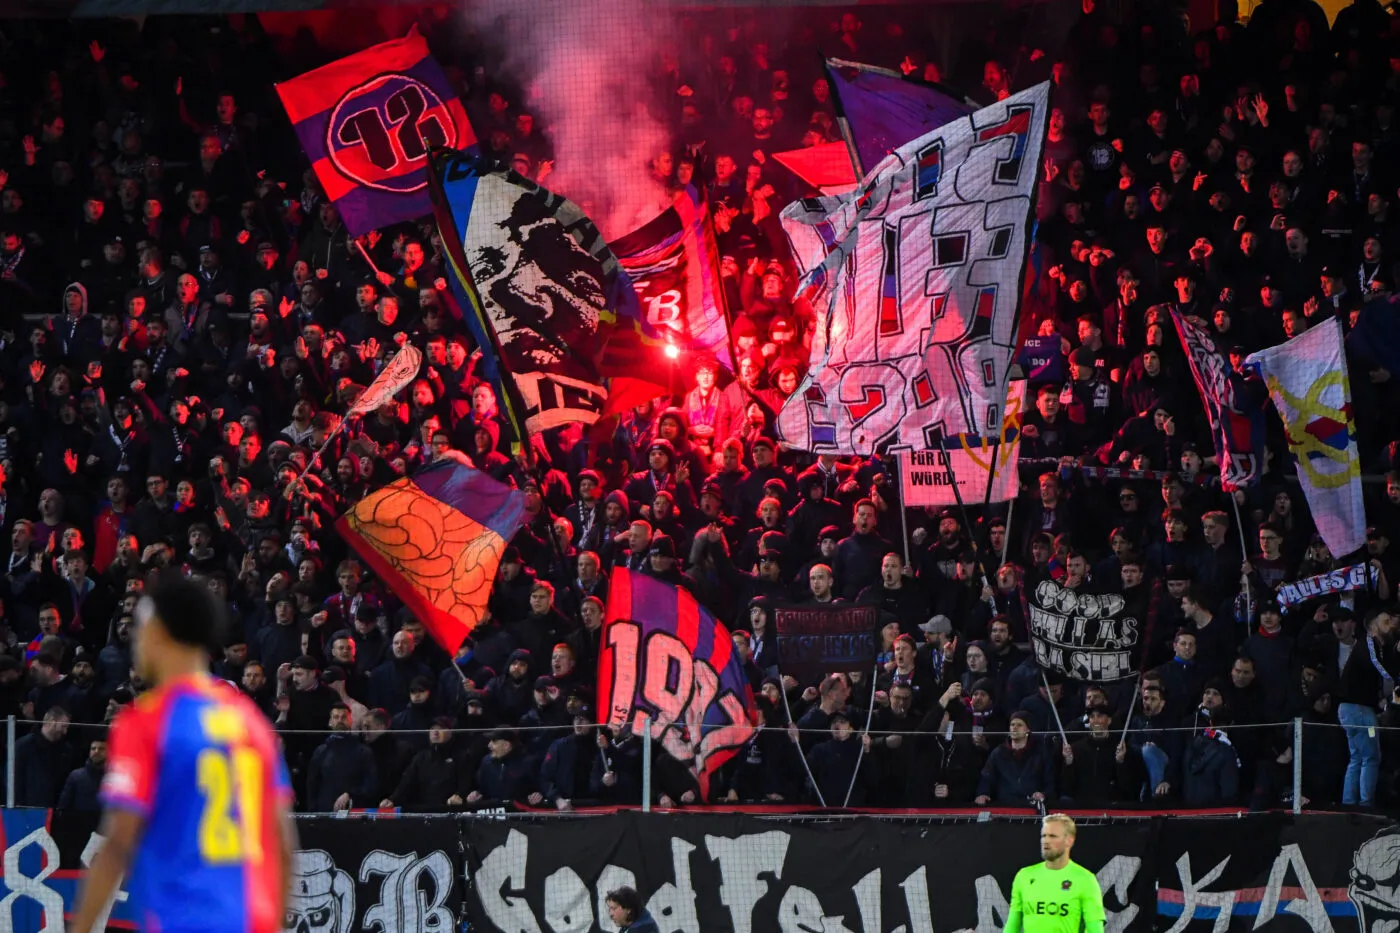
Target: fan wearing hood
78,333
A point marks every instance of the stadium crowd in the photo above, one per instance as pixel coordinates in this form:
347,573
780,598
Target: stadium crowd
183,321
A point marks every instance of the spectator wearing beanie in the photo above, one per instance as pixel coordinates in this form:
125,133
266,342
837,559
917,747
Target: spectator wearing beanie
1018,772
439,777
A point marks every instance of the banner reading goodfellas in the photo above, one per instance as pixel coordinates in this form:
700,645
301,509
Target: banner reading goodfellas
1307,379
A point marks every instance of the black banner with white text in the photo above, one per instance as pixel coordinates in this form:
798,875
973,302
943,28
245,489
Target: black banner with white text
731,873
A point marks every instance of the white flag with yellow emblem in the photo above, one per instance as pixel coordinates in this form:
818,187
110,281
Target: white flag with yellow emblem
1307,379
927,476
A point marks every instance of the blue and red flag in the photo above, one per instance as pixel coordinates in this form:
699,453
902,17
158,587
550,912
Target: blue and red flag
1236,425
674,266
436,538
667,658
881,110
367,122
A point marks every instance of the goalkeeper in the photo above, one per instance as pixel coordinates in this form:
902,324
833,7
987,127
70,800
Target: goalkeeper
1057,895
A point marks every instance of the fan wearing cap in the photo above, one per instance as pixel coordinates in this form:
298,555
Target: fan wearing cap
663,564
511,692
586,509
662,473
546,720
437,777
124,448
510,596
1088,398
504,774
754,487
826,540
303,707
745,586
568,762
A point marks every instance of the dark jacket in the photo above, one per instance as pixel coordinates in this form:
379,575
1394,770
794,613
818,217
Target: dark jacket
388,683
1009,778
80,790
506,778
1094,778
434,774
834,763
857,563
643,924
567,765
41,767
1210,772
343,764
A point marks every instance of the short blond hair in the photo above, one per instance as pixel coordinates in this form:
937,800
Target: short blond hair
1063,819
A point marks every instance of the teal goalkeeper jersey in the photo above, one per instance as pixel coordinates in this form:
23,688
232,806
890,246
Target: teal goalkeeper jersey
1051,901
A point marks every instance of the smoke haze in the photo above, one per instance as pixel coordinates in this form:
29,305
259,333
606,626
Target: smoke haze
583,64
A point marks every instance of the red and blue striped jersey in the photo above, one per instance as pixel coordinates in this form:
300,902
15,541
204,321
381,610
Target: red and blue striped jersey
201,764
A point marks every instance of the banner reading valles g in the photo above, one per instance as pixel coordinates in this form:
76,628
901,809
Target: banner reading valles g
1307,379
1081,635
814,641
916,280
664,656
1341,580
926,476
367,122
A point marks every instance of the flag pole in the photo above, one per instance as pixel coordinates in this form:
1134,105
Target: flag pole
1132,705
1053,708
497,375
865,734
903,509
800,753
962,507
1244,555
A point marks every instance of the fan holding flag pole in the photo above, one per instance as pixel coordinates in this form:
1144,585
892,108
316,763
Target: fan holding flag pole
392,380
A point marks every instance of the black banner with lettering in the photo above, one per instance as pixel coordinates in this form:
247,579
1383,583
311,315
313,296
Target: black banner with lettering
730,873
1083,636
814,641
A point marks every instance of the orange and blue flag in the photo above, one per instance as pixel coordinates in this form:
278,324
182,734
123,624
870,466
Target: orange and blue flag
666,658
436,539
367,123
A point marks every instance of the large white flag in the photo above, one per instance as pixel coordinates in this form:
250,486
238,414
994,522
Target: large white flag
916,279
1307,379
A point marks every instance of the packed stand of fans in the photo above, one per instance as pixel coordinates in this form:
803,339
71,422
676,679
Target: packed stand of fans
184,319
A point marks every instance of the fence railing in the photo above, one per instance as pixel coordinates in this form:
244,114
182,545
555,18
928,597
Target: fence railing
15,728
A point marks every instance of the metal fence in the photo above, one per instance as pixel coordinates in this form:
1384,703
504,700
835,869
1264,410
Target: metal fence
15,728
